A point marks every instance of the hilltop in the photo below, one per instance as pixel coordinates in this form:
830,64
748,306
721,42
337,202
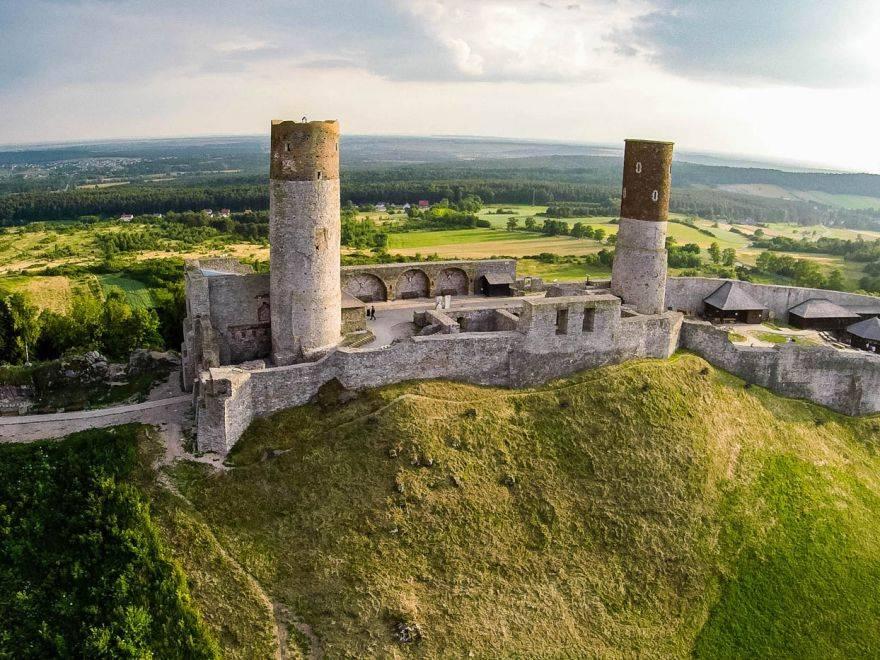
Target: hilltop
658,508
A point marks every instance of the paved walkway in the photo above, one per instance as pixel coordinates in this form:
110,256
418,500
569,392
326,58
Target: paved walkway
26,428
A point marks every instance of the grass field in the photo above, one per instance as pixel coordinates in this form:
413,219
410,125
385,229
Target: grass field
33,250
853,202
51,292
653,509
136,292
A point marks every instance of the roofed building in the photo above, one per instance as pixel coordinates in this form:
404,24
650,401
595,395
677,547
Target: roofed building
865,334
820,314
730,303
496,284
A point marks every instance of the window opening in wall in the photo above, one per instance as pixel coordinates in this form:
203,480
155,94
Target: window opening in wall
589,320
287,146
561,321
319,174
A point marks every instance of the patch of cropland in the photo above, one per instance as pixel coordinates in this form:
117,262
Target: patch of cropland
654,508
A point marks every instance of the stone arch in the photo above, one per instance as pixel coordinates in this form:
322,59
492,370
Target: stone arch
366,287
453,281
413,283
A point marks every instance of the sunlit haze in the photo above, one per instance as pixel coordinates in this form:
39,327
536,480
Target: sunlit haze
789,79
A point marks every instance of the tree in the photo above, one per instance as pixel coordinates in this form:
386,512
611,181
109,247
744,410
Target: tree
728,257
512,223
25,323
835,281
715,253
530,224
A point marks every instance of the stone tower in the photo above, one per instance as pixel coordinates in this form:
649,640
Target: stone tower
638,275
304,235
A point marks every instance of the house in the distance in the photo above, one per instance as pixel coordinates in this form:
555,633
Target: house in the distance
126,217
225,213
424,204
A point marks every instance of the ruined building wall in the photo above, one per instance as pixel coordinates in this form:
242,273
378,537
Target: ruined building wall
377,282
845,381
639,271
304,239
532,354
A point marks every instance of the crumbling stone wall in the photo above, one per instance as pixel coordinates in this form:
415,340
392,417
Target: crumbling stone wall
304,239
845,381
424,279
532,354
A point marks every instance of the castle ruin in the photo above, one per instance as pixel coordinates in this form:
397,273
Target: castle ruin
256,343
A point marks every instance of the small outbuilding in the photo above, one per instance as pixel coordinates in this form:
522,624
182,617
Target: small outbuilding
865,334
496,284
730,303
821,314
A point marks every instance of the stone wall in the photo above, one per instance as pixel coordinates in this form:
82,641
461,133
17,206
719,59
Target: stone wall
532,354
686,294
846,381
421,279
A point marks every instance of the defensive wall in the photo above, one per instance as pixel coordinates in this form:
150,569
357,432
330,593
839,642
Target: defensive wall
686,294
228,305
843,380
551,338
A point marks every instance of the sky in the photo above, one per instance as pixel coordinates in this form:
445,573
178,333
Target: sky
787,79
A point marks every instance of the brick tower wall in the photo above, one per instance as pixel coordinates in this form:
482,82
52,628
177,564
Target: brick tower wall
638,275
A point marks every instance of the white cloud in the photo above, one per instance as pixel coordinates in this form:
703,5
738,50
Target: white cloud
527,40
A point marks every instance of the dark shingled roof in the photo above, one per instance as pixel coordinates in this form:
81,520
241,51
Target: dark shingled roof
819,308
867,329
730,298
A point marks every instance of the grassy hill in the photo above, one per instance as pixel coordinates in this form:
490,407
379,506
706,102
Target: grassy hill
658,508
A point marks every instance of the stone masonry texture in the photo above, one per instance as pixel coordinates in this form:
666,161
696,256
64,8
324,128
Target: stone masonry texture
304,239
638,274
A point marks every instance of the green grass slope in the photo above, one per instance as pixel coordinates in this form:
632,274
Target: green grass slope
657,508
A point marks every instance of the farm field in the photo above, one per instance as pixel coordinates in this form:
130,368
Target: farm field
852,202
45,292
25,253
137,293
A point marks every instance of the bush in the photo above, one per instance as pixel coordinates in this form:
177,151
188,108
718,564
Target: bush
82,571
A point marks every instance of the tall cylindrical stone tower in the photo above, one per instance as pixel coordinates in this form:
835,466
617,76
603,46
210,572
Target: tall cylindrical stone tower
638,275
304,234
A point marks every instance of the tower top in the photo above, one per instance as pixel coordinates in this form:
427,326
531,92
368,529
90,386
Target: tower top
304,151
647,178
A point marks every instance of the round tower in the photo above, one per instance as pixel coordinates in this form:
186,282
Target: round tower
304,234
638,275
